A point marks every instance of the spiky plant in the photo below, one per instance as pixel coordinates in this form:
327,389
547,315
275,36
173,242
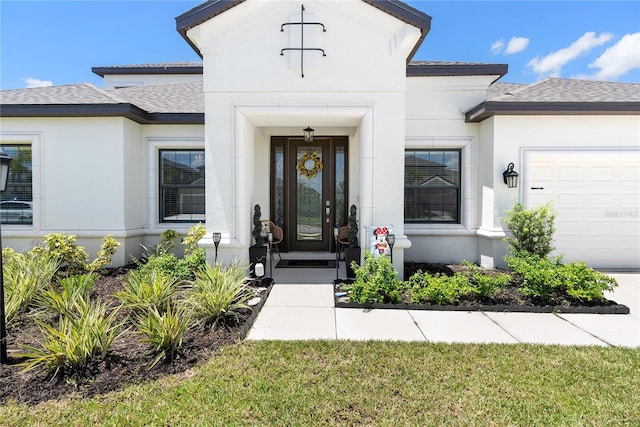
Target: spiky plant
144,290
164,330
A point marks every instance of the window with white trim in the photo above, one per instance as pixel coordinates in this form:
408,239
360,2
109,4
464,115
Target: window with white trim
181,192
16,203
432,186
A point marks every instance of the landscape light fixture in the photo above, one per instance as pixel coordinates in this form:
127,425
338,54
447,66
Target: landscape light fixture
308,134
510,177
5,166
216,241
391,240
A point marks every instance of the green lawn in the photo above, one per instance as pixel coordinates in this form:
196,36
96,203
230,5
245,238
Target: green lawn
372,383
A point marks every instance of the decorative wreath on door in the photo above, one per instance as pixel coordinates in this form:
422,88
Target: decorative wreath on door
304,165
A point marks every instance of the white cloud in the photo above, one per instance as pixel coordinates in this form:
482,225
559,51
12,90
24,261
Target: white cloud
497,46
516,44
552,64
31,82
619,58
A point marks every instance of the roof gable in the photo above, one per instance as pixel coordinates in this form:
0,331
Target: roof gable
212,8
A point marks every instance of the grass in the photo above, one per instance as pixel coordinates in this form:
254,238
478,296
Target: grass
372,383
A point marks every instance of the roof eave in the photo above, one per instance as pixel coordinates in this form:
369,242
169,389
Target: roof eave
102,71
128,111
442,70
200,14
492,108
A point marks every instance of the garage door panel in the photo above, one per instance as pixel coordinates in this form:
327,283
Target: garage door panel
597,196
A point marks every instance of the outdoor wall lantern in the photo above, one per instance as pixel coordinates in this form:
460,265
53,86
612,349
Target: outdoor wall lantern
216,241
391,240
510,177
5,165
308,134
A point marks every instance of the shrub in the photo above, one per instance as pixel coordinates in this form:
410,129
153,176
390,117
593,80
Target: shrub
586,284
483,284
105,254
376,282
25,276
163,247
542,276
63,298
65,249
147,290
538,276
218,293
190,241
532,229
438,289
85,332
163,330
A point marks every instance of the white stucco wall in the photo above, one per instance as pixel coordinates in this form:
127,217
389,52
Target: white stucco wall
92,177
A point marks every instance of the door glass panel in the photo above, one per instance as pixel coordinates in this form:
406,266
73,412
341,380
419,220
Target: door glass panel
279,184
341,186
310,209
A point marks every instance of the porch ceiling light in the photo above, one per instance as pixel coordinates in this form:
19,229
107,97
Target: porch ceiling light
308,134
510,176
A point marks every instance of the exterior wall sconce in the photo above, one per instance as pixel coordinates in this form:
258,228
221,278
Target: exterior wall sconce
216,241
308,134
336,234
5,166
510,177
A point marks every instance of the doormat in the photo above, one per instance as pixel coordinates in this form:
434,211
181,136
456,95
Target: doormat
306,263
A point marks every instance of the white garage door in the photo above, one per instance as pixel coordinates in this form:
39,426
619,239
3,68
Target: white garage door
597,196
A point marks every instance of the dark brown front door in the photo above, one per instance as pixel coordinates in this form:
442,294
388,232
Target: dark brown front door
308,190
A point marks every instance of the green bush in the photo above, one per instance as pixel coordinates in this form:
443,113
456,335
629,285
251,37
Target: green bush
532,229
144,290
87,331
164,330
438,289
65,249
483,284
105,254
218,293
190,241
25,276
376,282
63,297
541,277
586,284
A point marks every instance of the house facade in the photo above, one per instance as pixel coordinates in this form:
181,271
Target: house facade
417,146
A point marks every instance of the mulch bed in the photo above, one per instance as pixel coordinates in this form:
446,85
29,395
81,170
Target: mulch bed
129,358
508,299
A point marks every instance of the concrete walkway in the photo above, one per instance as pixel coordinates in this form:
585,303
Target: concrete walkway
296,311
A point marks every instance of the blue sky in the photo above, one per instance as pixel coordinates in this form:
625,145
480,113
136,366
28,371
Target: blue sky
57,42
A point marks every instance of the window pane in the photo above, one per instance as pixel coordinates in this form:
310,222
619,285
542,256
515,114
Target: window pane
182,185
432,186
16,204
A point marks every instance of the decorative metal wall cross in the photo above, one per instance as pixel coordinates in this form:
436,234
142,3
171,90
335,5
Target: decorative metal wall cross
302,49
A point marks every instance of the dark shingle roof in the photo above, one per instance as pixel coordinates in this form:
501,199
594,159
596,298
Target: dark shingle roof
185,97
559,96
83,93
180,103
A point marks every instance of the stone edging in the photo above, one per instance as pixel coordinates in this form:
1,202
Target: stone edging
255,310
612,309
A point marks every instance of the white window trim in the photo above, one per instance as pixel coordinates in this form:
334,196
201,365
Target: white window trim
154,145
35,140
465,145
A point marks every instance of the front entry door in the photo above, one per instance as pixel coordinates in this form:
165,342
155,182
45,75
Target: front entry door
309,190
